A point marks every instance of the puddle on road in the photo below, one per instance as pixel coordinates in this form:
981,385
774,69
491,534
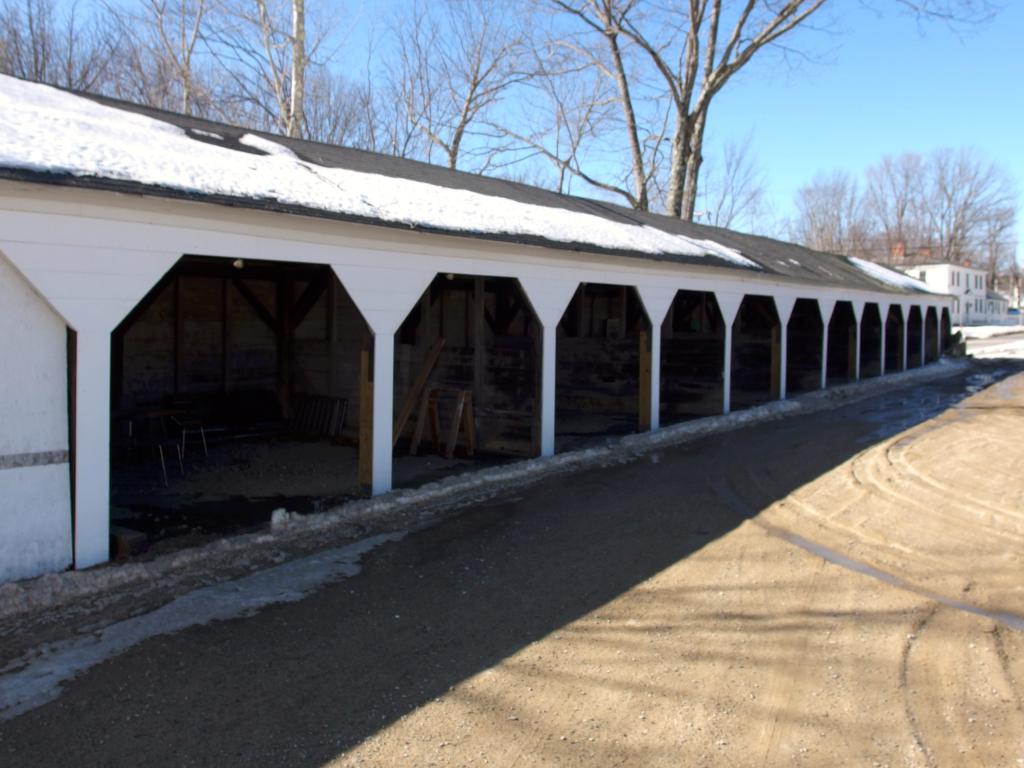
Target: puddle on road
900,411
1011,620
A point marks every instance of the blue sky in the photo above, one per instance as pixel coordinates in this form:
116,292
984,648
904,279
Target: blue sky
885,85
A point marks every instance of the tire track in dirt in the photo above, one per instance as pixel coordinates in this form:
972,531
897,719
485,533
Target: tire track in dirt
1004,663
904,686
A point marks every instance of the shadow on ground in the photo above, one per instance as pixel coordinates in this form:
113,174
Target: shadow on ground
298,684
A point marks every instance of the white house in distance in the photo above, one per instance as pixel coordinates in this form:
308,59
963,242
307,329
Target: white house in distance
158,270
973,301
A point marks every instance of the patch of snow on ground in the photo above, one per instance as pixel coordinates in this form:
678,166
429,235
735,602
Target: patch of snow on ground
1011,349
48,130
890,276
986,331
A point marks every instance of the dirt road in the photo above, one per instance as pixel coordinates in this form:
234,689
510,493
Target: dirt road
818,591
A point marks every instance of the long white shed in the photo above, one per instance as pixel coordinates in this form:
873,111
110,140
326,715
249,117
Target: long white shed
148,255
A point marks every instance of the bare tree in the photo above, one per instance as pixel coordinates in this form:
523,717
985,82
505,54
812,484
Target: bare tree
563,112
337,111
264,50
967,201
895,200
732,190
692,51
455,61
831,216
67,49
158,66
952,206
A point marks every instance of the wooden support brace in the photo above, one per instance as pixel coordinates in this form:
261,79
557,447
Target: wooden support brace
644,395
417,389
776,387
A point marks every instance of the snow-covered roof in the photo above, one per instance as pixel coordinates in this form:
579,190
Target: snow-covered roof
891,276
55,136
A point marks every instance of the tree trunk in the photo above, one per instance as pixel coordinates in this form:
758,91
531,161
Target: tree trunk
677,170
296,116
693,167
636,151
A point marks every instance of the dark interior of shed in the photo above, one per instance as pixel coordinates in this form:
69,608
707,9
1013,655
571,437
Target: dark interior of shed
756,353
803,347
894,340
602,379
235,388
914,331
467,370
931,335
692,358
870,342
842,344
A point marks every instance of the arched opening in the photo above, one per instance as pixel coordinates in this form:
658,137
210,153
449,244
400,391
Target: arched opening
235,391
756,353
602,380
946,331
870,342
914,332
894,330
931,335
842,344
692,358
467,377
803,347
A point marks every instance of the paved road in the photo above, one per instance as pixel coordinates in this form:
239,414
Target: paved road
301,684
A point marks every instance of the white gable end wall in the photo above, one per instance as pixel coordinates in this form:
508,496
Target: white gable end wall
35,494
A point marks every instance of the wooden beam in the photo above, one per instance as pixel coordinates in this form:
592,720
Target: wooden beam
257,306
225,336
309,297
179,324
148,300
479,348
776,364
284,344
644,395
332,335
413,397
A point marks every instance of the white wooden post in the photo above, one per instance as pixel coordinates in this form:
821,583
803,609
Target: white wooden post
384,297
92,447
825,307
728,305
905,314
656,300
383,410
784,308
655,415
858,316
549,298
549,366
883,313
